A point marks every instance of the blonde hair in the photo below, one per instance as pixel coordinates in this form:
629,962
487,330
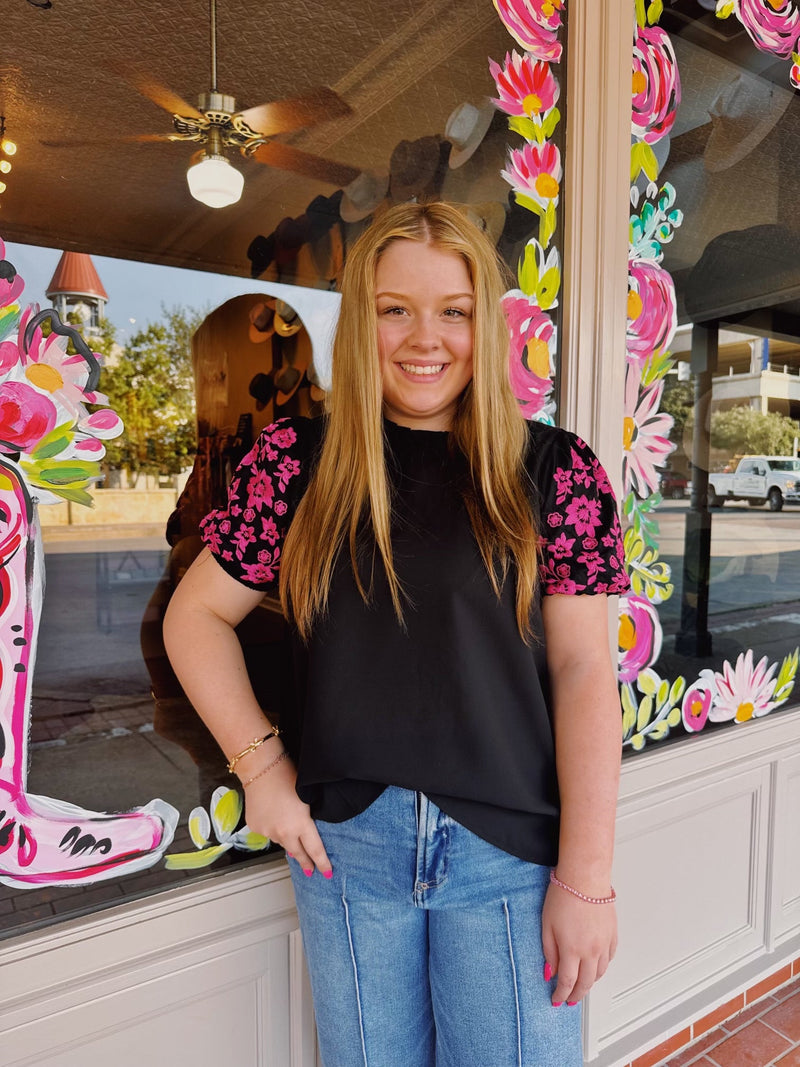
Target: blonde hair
350,488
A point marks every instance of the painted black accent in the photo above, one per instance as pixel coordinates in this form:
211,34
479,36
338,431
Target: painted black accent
65,331
19,668
20,641
2,745
76,844
8,271
16,627
6,830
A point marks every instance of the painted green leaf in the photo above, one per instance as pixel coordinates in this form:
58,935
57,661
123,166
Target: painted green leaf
674,717
654,12
641,18
548,287
199,827
648,682
528,271
191,861
629,709
525,127
251,841
547,224
638,742
659,730
784,683
676,690
54,442
657,367
529,203
9,320
551,120
645,713
226,810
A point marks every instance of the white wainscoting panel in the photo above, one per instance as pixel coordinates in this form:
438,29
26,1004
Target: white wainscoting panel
786,864
707,872
209,974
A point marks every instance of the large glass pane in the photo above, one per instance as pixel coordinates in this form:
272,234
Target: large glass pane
209,324
709,639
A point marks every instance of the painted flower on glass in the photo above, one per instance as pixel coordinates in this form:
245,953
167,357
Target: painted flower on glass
11,284
697,702
656,84
534,173
745,691
50,368
25,417
773,25
652,312
534,24
225,812
645,438
532,355
640,636
526,86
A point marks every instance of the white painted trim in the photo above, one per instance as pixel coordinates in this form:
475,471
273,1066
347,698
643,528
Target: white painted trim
596,207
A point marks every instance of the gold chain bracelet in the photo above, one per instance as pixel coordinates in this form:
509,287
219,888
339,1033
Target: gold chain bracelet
254,744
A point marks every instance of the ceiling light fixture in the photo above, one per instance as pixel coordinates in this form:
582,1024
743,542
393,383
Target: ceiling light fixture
7,147
213,179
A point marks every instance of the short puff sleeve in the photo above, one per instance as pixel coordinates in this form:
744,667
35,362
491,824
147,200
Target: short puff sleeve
580,536
246,537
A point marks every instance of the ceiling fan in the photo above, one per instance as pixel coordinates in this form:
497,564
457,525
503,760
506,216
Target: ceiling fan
217,125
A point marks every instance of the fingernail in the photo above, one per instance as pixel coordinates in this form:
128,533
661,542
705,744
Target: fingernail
558,1005
571,1003
327,874
548,972
308,873
290,855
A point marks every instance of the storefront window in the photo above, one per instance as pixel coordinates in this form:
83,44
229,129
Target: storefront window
111,787
708,638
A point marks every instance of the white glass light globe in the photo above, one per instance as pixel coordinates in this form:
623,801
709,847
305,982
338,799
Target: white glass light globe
215,182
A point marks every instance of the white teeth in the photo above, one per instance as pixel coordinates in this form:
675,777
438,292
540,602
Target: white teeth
411,368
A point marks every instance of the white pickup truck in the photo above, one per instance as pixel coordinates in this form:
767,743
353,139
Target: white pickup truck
758,480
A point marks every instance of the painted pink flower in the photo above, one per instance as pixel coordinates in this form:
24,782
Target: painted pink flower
794,73
50,368
773,25
645,440
697,702
532,354
656,84
534,24
639,638
104,424
743,692
11,284
25,417
652,311
534,172
526,85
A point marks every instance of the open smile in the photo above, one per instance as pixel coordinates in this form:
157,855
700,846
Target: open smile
427,370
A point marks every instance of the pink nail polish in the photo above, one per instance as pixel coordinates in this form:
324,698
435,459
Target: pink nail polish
571,1003
548,972
308,873
558,1005
327,874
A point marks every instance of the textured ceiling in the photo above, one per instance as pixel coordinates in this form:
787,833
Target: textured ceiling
65,76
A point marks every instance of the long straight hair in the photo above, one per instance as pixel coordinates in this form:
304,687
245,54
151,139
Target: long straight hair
349,490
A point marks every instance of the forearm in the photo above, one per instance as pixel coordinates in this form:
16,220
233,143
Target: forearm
207,658
588,742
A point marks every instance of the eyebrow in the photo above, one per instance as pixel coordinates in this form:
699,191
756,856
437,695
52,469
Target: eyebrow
451,296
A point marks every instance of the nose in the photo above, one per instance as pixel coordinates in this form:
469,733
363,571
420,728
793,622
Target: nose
424,334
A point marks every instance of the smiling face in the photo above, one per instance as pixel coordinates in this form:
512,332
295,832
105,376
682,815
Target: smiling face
425,303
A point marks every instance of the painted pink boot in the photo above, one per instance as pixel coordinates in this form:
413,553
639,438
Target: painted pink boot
45,841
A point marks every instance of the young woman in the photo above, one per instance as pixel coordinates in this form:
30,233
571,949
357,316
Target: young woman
446,791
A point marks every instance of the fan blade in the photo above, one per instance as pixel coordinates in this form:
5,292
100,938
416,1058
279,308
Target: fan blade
319,105
284,157
160,95
139,138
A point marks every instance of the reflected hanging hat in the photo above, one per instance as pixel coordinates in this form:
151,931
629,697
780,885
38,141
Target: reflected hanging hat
466,128
287,321
363,194
295,356
262,390
741,116
262,321
489,217
413,168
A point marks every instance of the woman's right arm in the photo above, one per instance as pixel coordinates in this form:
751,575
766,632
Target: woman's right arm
200,638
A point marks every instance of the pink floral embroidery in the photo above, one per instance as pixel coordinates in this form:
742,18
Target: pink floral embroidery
562,546
583,514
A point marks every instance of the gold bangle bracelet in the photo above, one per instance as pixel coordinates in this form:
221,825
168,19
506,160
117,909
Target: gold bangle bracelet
254,744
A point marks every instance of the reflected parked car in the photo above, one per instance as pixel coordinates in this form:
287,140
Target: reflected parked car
674,485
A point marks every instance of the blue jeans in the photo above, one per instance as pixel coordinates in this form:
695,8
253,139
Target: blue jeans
425,947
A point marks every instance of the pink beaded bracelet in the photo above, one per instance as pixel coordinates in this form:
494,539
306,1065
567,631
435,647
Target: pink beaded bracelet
582,896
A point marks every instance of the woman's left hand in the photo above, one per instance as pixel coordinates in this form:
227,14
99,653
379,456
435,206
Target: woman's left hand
579,941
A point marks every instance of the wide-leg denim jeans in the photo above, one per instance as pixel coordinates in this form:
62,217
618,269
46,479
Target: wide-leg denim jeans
425,947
